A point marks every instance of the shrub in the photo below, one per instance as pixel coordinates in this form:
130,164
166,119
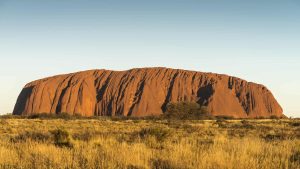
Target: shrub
206,142
260,117
83,136
295,124
246,124
62,138
276,137
135,119
223,117
186,110
162,164
295,157
34,136
134,167
41,116
188,128
222,123
274,117
65,116
159,133
120,118
10,116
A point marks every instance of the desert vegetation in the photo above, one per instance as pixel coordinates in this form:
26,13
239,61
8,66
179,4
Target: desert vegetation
153,143
186,111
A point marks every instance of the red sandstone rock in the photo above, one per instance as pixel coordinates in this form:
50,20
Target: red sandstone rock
143,92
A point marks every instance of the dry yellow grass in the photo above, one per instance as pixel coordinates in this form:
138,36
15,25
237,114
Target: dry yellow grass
133,144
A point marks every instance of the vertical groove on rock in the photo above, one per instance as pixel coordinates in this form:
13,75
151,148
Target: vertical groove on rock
169,93
62,94
137,96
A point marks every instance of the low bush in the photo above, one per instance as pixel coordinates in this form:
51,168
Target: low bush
10,116
119,118
222,123
246,124
134,167
65,116
260,118
295,124
189,128
162,164
83,136
160,134
62,138
223,117
34,136
276,137
274,117
295,157
205,142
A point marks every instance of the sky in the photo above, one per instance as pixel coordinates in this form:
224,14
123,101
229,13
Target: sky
257,40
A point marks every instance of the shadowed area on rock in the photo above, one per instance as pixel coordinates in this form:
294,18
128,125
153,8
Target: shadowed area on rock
145,92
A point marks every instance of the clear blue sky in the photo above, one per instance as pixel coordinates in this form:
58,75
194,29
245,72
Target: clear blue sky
257,40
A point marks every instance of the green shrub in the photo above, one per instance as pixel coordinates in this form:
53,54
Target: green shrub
62,138
186,110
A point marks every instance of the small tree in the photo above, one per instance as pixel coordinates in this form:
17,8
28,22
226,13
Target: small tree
186,110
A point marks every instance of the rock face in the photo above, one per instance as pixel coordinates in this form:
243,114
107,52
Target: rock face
143,92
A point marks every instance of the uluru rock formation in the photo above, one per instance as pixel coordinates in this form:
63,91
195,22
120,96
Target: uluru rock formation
143,92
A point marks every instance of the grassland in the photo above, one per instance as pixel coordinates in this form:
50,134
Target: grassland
160,144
